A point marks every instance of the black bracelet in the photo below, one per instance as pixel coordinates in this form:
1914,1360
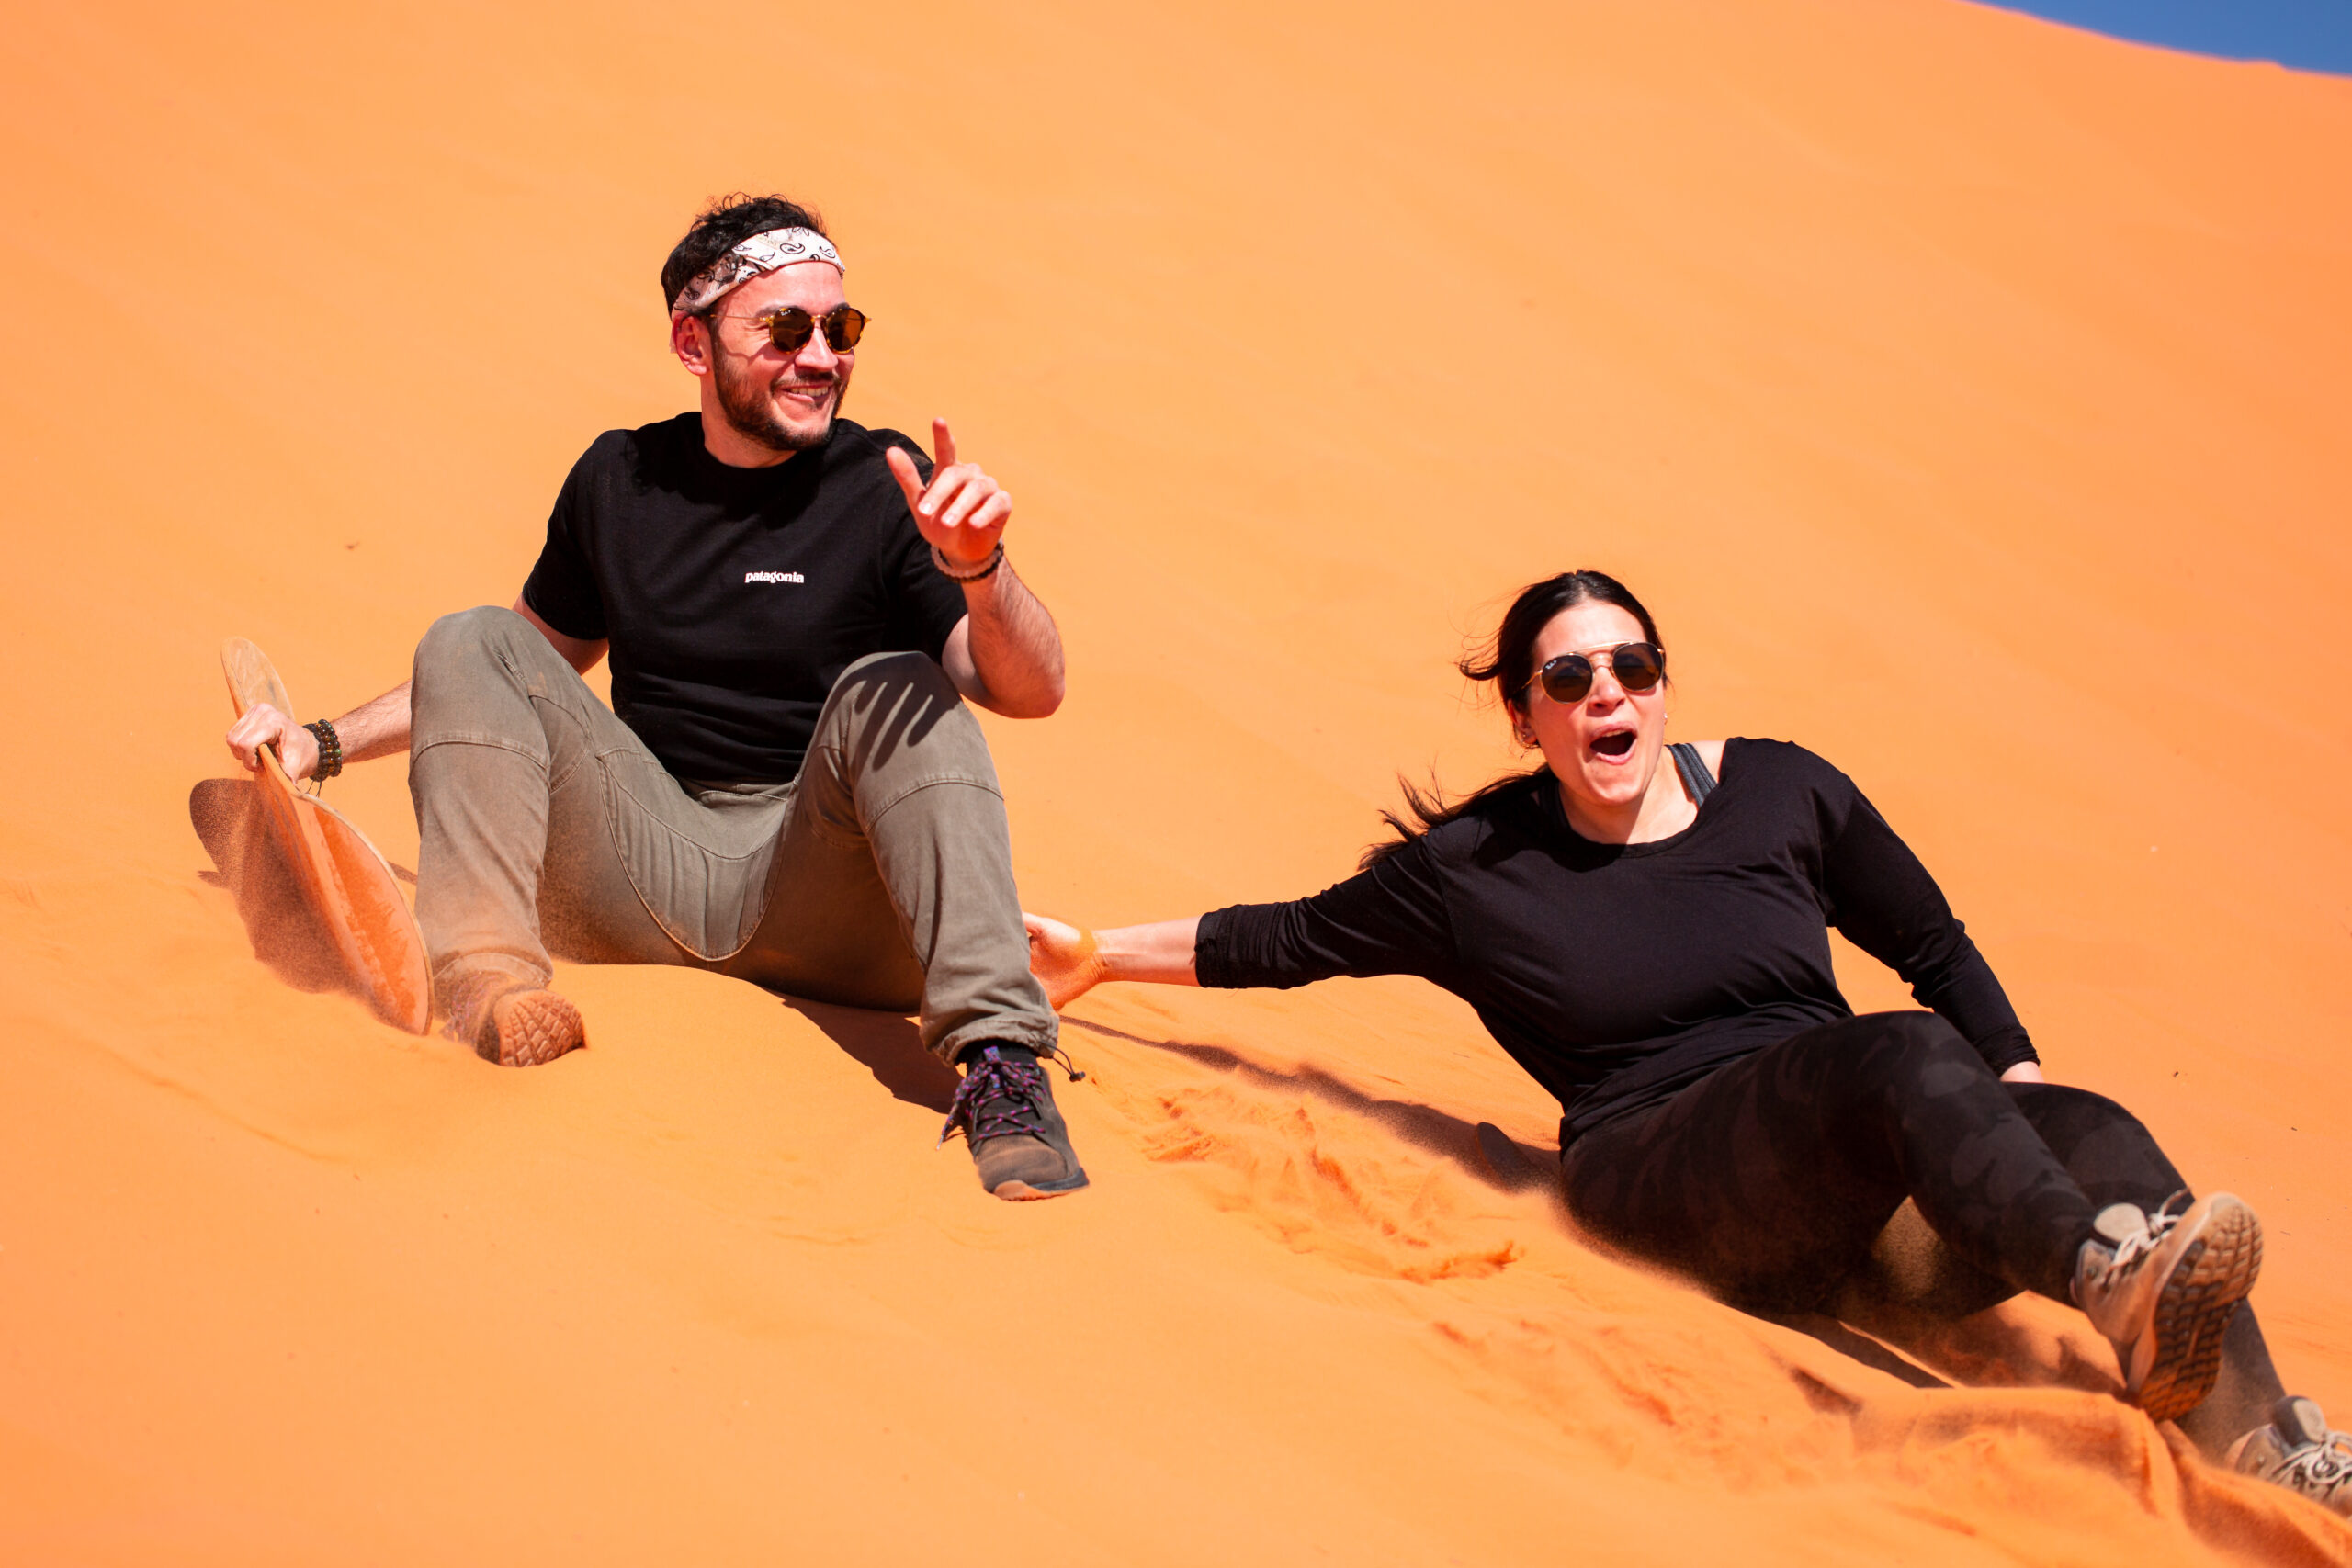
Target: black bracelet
996,559
330,749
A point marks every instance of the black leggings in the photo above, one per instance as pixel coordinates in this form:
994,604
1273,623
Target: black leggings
1769,1181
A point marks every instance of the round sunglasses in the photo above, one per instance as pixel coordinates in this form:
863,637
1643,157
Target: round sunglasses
1638,666
791,328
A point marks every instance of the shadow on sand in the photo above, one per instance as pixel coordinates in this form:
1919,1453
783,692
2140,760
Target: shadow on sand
1479,1148
887,1045
1913,1293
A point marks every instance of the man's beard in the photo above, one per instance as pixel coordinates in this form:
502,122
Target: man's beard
745,401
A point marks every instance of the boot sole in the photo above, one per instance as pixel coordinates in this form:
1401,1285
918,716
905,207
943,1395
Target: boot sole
2215,1273
1019,1191
533,1027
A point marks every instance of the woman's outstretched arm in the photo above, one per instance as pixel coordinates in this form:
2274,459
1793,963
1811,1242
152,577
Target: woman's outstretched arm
1070,962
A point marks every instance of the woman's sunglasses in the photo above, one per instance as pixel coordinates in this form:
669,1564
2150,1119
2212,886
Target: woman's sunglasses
791,328
1638,666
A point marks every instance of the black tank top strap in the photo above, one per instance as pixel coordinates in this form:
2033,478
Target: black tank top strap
1696,777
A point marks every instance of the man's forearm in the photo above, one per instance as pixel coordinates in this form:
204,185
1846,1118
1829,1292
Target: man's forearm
1016,649
376,729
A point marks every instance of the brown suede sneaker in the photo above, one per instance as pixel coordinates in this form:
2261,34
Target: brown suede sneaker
2162,1288
2300,1452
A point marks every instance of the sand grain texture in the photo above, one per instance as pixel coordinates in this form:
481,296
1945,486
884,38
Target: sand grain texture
1965,393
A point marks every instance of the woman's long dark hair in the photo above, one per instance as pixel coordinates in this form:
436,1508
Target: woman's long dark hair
1509,662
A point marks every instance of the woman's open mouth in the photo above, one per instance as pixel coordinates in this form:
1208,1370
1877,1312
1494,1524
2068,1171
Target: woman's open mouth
1616,743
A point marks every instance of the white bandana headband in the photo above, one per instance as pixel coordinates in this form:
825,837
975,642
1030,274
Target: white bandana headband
759,254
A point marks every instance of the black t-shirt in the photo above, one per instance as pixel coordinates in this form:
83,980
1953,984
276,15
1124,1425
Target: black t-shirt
1618,973
735,597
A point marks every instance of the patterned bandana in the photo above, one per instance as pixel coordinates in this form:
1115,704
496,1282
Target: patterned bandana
760,253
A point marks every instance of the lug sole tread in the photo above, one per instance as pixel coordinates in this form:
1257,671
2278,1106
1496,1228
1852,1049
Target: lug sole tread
2215,1273
535,1027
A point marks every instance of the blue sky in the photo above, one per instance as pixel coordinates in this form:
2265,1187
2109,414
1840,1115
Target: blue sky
2312,35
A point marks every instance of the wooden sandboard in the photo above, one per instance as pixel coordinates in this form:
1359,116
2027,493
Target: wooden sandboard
346,883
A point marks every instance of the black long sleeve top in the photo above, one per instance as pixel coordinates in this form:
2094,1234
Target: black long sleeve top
1619,973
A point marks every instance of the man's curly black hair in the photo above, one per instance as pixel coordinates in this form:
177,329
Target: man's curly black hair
726,223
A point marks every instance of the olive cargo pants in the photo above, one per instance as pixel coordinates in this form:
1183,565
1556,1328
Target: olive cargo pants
881,877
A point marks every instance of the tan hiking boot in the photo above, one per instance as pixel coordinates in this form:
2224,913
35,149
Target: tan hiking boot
511,1024
528,1028
2162,1289
2298,1451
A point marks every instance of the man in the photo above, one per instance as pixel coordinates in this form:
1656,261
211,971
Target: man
787,787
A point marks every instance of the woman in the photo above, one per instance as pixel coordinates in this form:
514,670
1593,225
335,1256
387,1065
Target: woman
1651,943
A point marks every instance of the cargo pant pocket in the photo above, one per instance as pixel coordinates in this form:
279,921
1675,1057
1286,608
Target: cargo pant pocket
701,875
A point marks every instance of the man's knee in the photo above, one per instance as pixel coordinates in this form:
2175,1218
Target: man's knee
486,675
904,669
900,706
456,641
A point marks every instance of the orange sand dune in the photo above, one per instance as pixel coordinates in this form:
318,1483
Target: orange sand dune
1967,394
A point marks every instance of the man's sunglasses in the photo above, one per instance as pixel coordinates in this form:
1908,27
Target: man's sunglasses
791,328
1638,666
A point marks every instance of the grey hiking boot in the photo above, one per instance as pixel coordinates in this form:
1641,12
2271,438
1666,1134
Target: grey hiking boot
1005,1110
2163,1287
2298,1451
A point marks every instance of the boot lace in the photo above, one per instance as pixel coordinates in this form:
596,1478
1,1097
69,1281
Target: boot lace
2160,1224
2321,1466
997,1096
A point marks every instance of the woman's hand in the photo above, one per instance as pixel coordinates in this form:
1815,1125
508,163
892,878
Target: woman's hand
1070,961
1066,959
2024,1072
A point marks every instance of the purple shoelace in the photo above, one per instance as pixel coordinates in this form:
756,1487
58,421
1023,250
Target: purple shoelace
997,1096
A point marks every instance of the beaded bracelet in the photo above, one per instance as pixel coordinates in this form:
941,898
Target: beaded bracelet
330,749
996,559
